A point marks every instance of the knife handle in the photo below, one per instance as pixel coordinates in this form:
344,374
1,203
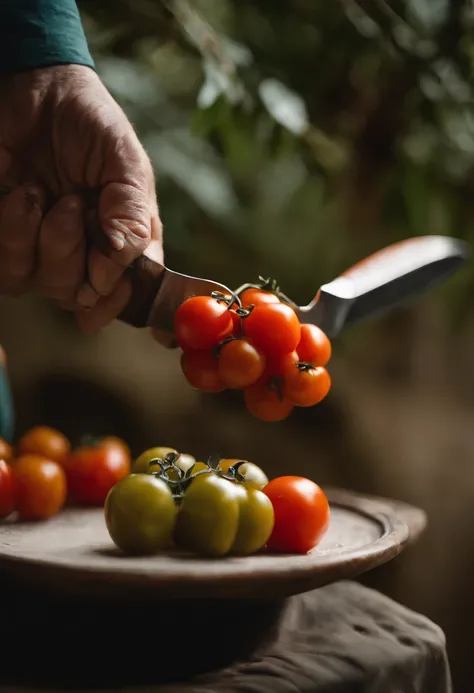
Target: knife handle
145,276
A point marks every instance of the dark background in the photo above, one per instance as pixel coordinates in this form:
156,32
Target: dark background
290,139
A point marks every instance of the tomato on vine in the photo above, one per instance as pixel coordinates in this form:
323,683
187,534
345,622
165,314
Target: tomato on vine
273,327
305,385
202,322
314,345
277,364
255,297
265,403
240,363
301,512
201,370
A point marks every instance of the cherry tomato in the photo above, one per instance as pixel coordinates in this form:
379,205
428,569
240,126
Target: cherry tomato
306,386
314,346
278,363
202,322
6,451
140,514
301,514
142,463
265,404
254,477
273,327
93,470
115,442
208,517
41,487
8,489
201,370
257,297
236,324
184,462
218,517
240,364
46,442
255,525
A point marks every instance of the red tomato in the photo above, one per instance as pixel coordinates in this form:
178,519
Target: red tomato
201,370
279,363
240,363
46,442
202,322
314,346
273,327
265,404
306,386
8,489
301,514
93,470
41,485
236,324
257,297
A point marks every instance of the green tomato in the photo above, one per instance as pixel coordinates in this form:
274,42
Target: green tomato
208,517
140,514
256,521
254,477
184,462
142,463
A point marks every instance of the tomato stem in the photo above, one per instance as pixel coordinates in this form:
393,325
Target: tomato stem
230,301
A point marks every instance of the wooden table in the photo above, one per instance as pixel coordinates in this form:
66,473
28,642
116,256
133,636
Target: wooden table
343,638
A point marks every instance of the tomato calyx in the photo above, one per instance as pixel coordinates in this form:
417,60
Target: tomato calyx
305,366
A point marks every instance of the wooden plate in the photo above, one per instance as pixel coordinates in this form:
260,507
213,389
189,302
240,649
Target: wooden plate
73,553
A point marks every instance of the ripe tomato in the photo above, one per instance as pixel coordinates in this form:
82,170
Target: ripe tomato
142,463
201,370
306,386
202,322
115,442
6,450
46,442
140,514
257,297
93,470
254,477
265,404
236,324
41,487
278,363
8,489
218,517
240,363
314,346
273,327
301,514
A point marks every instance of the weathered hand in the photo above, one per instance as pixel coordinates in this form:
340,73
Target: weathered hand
61,130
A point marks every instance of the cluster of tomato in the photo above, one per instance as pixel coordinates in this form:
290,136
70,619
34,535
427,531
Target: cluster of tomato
42,472
253,341
216,508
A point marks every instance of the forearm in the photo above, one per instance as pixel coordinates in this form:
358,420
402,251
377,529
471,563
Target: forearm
40,33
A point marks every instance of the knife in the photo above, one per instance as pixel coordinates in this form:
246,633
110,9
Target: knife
373,286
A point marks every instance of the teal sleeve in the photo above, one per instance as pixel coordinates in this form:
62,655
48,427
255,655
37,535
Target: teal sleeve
7,411
41,33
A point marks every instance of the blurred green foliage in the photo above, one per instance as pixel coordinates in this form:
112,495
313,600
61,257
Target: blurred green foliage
292,137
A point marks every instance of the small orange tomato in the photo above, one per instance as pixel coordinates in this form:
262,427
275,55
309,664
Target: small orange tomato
306,386
240,363
41,487
265,404
46,442
314,346
201,370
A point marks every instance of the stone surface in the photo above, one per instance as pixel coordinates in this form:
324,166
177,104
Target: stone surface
343,638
